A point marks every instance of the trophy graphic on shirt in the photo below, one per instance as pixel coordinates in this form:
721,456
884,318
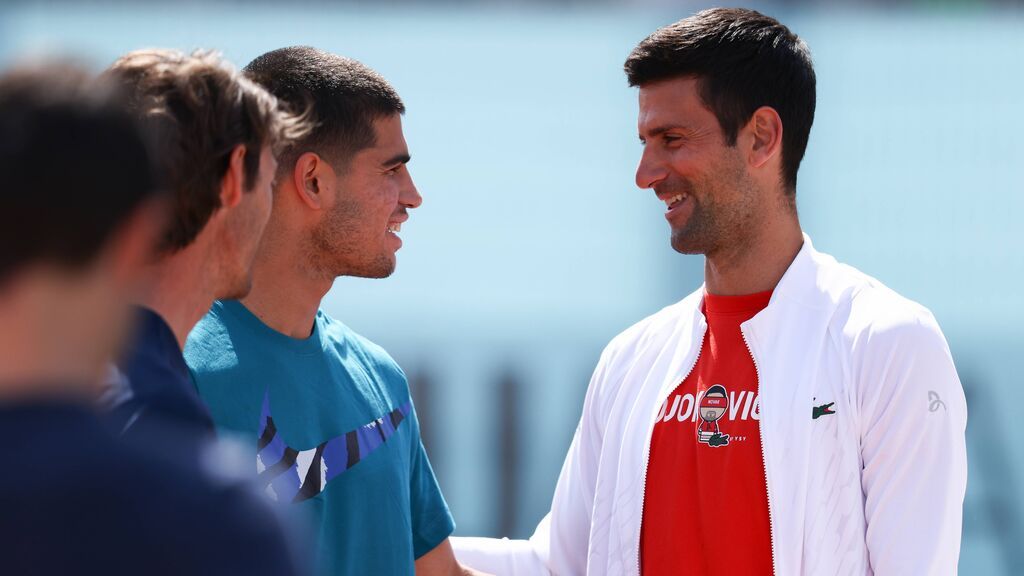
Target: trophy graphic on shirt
712,407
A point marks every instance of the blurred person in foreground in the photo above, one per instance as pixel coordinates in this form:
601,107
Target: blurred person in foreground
216,134
791,416
79,216
329,412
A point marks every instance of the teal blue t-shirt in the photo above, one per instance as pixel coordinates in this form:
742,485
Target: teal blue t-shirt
336,436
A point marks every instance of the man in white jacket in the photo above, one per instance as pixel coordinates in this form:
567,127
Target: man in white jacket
791,416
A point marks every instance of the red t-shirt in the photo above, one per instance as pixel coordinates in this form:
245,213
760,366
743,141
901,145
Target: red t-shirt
706,501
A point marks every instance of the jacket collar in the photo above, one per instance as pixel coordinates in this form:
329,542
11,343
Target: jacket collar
808,280
805,284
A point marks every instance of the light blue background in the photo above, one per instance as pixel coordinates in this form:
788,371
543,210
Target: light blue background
533,247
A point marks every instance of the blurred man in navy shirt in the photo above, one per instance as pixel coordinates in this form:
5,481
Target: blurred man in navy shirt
216,134
79,214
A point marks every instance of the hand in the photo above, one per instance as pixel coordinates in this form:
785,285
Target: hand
441,562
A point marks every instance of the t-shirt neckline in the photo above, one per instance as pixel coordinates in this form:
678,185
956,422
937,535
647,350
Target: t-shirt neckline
745,303
308,345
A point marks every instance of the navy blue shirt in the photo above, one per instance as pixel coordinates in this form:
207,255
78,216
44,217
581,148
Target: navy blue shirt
75,499
153,383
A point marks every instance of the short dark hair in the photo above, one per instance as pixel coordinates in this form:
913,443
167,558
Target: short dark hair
200,108
743,60
342,96
75,166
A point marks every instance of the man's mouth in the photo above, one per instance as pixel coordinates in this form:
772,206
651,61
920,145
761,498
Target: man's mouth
674,201
395,227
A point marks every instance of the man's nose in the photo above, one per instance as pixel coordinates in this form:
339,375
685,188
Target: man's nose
410,196
650,170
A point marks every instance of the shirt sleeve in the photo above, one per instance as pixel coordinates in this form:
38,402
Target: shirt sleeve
432,522
913,448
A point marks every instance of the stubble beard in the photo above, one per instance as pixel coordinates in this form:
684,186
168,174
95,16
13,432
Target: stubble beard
724,215
334,250
236,272
699,234
245,242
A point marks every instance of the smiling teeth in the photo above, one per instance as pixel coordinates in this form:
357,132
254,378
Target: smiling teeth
675,199
394,228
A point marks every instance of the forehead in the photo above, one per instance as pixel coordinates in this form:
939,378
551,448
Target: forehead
389,143
673,102
388,133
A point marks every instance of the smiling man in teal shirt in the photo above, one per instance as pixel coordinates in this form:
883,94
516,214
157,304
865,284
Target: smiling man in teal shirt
328,412
335,434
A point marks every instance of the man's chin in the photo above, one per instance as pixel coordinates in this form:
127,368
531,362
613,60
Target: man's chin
686,244
238,290
380,268
381,272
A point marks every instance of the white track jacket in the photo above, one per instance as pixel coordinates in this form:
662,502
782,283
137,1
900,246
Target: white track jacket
876,488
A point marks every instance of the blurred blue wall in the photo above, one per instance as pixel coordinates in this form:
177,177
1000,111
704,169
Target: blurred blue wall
533,247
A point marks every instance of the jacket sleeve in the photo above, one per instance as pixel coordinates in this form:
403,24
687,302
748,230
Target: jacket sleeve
560,543
912,421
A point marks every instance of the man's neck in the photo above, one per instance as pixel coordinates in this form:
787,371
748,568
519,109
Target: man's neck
36,369
285,293
46,349
756,265
181,290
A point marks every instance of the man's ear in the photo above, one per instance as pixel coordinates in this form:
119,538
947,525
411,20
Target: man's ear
233,182
309,177
765,127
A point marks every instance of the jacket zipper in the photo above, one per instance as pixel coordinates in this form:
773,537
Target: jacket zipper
764,461
647,448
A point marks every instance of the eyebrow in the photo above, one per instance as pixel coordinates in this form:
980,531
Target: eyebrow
402,158
666,128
